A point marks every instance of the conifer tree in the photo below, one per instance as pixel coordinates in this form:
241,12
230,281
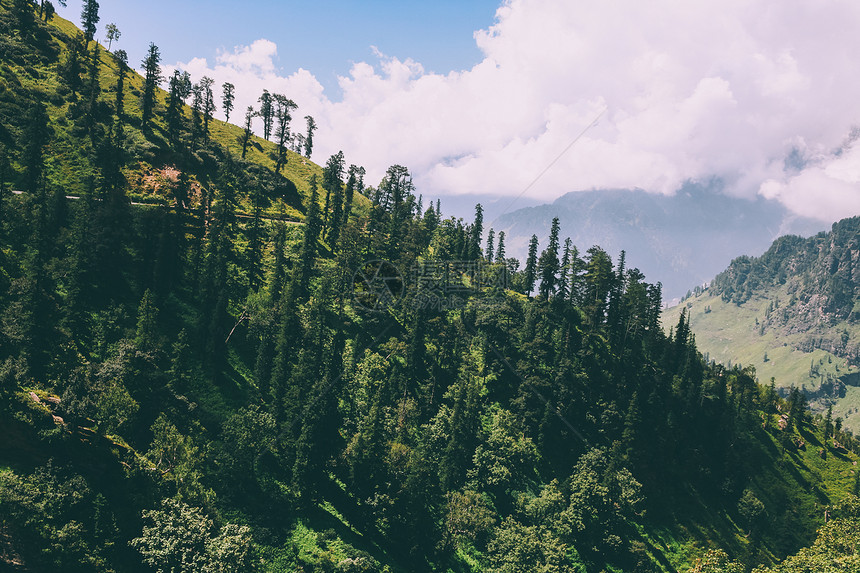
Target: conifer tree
632,427
121,69
147,322
207,103
563,292
266,348
349,192
477,231
93,89
464,417
267,113
219,253
196,113
35,138
333,185
500,250
531,266
89,18
47,10
548,265
298,143
309,138
301,278
490,238
598,284
250,114
295,293
255,239
23,11
72,68
175,101
152,78
283,116
228,96
395,204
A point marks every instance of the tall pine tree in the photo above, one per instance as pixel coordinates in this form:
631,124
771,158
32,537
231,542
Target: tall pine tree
152,79
530,272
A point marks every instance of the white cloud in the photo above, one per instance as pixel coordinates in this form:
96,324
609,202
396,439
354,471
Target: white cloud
690,90
828,188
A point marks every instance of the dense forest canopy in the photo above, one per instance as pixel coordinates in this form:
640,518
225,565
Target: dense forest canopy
211,383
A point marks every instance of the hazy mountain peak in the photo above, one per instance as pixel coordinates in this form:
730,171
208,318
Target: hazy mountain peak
681,240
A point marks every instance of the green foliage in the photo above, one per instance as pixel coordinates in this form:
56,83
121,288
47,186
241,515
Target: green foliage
505,461
531,266
48,515
716,561
228,96
835,548
197,357
89,18
751,510
516,547
152,78
178,538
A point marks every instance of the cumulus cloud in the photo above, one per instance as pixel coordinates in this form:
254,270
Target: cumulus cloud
687,91
827,188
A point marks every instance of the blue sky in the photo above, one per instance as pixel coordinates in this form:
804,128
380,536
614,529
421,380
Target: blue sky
323,36
546,96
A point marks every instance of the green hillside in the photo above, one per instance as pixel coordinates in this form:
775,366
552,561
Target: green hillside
189,385
36,66
791,315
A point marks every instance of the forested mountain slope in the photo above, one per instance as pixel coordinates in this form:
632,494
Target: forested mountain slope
791,313
185,389
85,106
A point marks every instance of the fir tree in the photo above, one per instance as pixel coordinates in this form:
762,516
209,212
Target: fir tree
121,69
500,249
47,10
267,113
175,99
548,265
147,322
207,103
247,132
72,68
333,185
93,89
309,138
563,291
89,18
228,96
531,266
23,11
349,192
474,249
152,79
283,116
36,135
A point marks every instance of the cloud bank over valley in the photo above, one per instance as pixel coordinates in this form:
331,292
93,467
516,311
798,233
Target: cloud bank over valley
763,95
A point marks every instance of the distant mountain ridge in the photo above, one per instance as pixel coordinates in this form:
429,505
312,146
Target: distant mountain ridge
794,314
681,240
822,274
